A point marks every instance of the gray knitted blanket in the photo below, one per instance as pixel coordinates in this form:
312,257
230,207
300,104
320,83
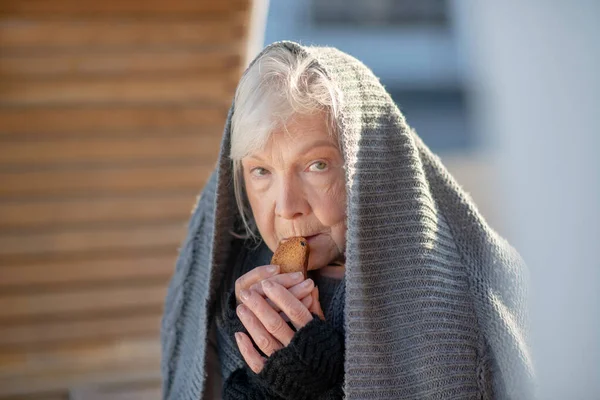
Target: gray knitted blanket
435,299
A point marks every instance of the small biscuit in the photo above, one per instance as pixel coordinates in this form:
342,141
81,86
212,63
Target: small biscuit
292,255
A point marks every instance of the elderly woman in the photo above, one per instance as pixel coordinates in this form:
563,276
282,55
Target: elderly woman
410,294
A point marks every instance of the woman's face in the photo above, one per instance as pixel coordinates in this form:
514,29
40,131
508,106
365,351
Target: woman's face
296,187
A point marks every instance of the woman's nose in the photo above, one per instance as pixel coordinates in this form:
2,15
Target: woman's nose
291,202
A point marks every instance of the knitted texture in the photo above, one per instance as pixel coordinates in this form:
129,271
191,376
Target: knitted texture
227,321
434,298
310,367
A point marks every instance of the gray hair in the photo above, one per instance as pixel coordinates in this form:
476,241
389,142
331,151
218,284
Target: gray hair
275,87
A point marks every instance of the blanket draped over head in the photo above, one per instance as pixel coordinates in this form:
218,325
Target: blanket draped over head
435,299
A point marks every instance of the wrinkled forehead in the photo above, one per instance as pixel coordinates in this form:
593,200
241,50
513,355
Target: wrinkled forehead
297,130
299,134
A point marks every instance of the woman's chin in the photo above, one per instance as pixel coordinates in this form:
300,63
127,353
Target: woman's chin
321,255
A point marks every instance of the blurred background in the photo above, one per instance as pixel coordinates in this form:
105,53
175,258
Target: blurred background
110,120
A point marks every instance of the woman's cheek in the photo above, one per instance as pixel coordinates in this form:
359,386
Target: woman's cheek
263,210
337,194
332,205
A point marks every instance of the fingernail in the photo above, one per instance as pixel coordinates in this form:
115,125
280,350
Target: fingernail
297,275
271,269
237,337
244,294
307,283
240,309
267,284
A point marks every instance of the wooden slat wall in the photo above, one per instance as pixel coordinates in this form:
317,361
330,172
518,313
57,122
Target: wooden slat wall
110,120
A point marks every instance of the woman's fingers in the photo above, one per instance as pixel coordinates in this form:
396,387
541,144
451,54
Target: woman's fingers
287,280
303,289
297,312
315,306
268,317
256,275
263,339
300,291
307,301
255,361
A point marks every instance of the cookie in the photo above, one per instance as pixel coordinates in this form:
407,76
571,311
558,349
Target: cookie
292,255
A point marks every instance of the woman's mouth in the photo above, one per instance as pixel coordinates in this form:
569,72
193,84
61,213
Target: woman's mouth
309,238
312,238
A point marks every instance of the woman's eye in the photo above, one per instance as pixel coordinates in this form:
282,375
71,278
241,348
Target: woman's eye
318,166
259,172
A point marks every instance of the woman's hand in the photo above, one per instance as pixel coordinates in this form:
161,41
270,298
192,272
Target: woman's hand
295,282
266,326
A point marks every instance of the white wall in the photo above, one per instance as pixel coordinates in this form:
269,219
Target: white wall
535,78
